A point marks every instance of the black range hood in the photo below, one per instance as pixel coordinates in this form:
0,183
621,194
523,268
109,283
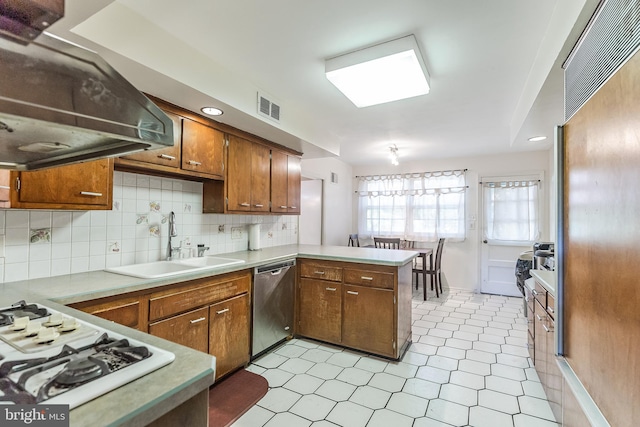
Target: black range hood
61,103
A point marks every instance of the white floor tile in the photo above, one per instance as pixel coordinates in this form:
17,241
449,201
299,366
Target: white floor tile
536,407
458,394
498,401
279,399
432,374
427,349
448,412
276,377
387,382
428,339
371,397
485,417
296,366
458,343
270,361
303,384
481,356
323,423
494,339
533,389
336,390
313,407
325,371
505,385
290,351
401,369
316,355
468,336
386,418
287,419
485,346
346,360
421,388
371,364
454,353
349,414
442,362
515,361
355,376
257,416
510,372
408,404
416,359
524,420
468,380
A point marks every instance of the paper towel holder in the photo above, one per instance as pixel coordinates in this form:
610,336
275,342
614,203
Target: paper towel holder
254,237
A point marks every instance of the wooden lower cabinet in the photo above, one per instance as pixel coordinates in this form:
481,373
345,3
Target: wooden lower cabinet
229,332
127,310
190,329
365,307
320,314
368,312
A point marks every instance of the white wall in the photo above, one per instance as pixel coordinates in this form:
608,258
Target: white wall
460,262
134,231
337,203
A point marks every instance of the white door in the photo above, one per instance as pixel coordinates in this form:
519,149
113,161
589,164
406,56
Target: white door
510,212
310,221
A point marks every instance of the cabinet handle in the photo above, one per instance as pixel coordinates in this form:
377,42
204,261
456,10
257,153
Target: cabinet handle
366,278
166,157
545,328
197,320
526,299
539,318
550,309
222,311
194,163
318,272
5,187
283,207
246,205
90,193
293,207
258,206
352,292
533,291
331,289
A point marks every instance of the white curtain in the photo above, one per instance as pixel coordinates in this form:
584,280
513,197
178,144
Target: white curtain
511,210
417,206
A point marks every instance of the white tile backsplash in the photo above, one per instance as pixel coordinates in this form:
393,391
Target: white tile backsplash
85,240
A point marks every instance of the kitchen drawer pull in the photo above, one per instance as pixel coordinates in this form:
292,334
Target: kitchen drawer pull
166,157
222,311
550,309
331,289
293,207
259,206
318,272
352,292
539,318
198,320
533,291
545,328
91,193
194,163
246,205
526,299
366,278
5,187
283,207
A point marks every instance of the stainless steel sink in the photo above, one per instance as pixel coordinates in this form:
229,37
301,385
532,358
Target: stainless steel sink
159,269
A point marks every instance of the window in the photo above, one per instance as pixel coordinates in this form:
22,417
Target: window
417,206
511,210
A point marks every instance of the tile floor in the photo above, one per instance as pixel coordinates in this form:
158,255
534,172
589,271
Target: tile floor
468,365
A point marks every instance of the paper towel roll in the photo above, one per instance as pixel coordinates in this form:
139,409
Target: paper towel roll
254,237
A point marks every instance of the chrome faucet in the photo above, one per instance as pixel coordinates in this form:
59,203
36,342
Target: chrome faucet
173,232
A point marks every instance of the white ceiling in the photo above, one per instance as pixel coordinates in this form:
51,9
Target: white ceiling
488,60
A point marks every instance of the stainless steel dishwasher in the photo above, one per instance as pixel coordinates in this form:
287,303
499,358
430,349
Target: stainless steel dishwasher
273,288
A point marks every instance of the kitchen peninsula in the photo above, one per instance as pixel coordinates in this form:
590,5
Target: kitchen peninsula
187,379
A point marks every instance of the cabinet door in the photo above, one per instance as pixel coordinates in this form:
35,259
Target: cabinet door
260,178
540,341
189,329
368,320
85,186
169,156
202,149
124,311
279,181
320,310
239,174
229,324
293,184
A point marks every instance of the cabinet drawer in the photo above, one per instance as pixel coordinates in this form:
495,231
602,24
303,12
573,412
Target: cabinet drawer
551,305
189,329
373,279
319,271
167,303
540,293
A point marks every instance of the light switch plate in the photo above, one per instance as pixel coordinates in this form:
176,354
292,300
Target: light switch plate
236,232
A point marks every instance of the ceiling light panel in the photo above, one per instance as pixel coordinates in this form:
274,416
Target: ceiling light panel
379,74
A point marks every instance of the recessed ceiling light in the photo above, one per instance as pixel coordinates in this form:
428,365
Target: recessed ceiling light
212,111
382,73
537,138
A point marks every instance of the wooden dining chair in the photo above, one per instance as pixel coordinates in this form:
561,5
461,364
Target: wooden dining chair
386,242
434,271
353,240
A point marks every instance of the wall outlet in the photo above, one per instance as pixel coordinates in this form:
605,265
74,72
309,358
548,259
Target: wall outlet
236,232
221,228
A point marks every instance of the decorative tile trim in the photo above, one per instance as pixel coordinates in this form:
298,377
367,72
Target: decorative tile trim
40,235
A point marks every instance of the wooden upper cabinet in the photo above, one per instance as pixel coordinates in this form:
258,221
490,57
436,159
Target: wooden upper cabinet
285,183
202,149
260,178
248,176
167,157
84,186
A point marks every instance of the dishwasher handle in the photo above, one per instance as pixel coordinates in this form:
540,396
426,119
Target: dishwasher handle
275,268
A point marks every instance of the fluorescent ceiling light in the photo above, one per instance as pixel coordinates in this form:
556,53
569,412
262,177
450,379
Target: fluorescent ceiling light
382,73
537,138
212,111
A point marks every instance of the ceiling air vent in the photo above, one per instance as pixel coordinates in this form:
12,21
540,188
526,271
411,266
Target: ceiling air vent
268,108
610,39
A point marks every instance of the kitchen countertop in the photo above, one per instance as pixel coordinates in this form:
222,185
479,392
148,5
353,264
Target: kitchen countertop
546,279
146,398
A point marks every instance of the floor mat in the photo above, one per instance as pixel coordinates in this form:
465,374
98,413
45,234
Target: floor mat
233,396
